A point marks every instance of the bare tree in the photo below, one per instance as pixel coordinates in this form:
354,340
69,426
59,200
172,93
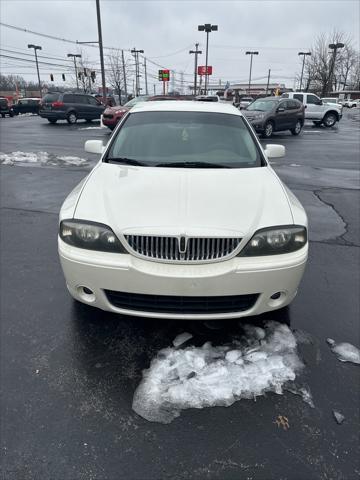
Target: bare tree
321,73
118,72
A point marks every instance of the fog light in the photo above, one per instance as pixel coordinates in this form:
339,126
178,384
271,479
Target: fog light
90,292
275,296
86,294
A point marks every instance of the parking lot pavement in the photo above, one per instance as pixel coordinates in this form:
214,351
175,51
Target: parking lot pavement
69,372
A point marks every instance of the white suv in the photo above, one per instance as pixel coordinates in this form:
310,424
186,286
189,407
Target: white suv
316,110
351,103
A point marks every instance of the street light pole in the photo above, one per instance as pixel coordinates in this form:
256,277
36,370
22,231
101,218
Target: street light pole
137,73
251,59
334,47
196,52
207,27
75,56
36,47
304,54
101,51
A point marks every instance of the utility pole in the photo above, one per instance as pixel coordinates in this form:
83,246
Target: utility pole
196,52
207,27
304,54
251,58
172,80
75,56
146,79
101,51
334,47
137,73
268,81
124,75
36,47
154,89
182,82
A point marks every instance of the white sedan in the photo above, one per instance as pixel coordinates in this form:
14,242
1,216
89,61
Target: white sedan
184,218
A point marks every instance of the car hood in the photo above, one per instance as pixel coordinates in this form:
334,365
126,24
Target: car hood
173,201
117,109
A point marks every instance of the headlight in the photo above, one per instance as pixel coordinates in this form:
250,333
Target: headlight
90,235
275,241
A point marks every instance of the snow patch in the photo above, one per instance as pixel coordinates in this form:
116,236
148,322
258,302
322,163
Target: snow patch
345,352
339,417
40,158
263,360
92,128
182,338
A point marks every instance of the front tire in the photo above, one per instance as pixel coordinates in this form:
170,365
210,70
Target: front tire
71,118
297,129
268,130
329,120
3,115
11,114
52,120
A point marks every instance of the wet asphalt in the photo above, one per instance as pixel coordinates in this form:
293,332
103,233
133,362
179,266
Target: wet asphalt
68,372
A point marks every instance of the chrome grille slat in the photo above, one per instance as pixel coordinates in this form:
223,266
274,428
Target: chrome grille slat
198,249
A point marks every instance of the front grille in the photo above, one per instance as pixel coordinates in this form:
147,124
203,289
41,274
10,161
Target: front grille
108,115
193,249
175,304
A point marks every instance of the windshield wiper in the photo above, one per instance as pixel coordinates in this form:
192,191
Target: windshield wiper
127,161
192,165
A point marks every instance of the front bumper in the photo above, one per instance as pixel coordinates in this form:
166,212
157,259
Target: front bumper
100,271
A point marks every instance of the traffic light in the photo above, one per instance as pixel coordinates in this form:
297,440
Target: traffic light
63,76
93,76
51,77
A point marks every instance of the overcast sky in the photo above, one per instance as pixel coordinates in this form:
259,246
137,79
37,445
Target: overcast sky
167,29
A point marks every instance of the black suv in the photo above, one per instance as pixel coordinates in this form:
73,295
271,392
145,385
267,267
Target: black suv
273,114
5,108
70,106
27,105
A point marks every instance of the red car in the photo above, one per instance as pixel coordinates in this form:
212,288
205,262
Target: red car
112,115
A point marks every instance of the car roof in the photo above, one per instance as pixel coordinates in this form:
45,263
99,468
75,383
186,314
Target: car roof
186,106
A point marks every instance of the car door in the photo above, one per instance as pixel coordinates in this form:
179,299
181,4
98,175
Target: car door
314,107
282,116
95,108
294,108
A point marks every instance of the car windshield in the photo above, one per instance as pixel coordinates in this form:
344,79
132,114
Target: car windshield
262,105
185,139
136,100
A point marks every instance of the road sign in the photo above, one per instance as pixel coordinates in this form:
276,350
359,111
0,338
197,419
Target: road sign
164,75
203,70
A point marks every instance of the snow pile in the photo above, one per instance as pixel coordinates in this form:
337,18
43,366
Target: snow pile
91,128
345,352
263,360
40,158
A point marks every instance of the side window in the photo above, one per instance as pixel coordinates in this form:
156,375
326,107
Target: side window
68,98
81,99
92,101
293,105
299,96
283,105
312,99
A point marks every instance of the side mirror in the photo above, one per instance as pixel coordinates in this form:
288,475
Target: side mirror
94,146
281,109
319,102
275,151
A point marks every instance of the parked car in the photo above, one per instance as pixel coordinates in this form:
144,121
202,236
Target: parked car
350,103
245,101
208,98
27,105
274,114
112,115
70,106
191,222
6,108
315,110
